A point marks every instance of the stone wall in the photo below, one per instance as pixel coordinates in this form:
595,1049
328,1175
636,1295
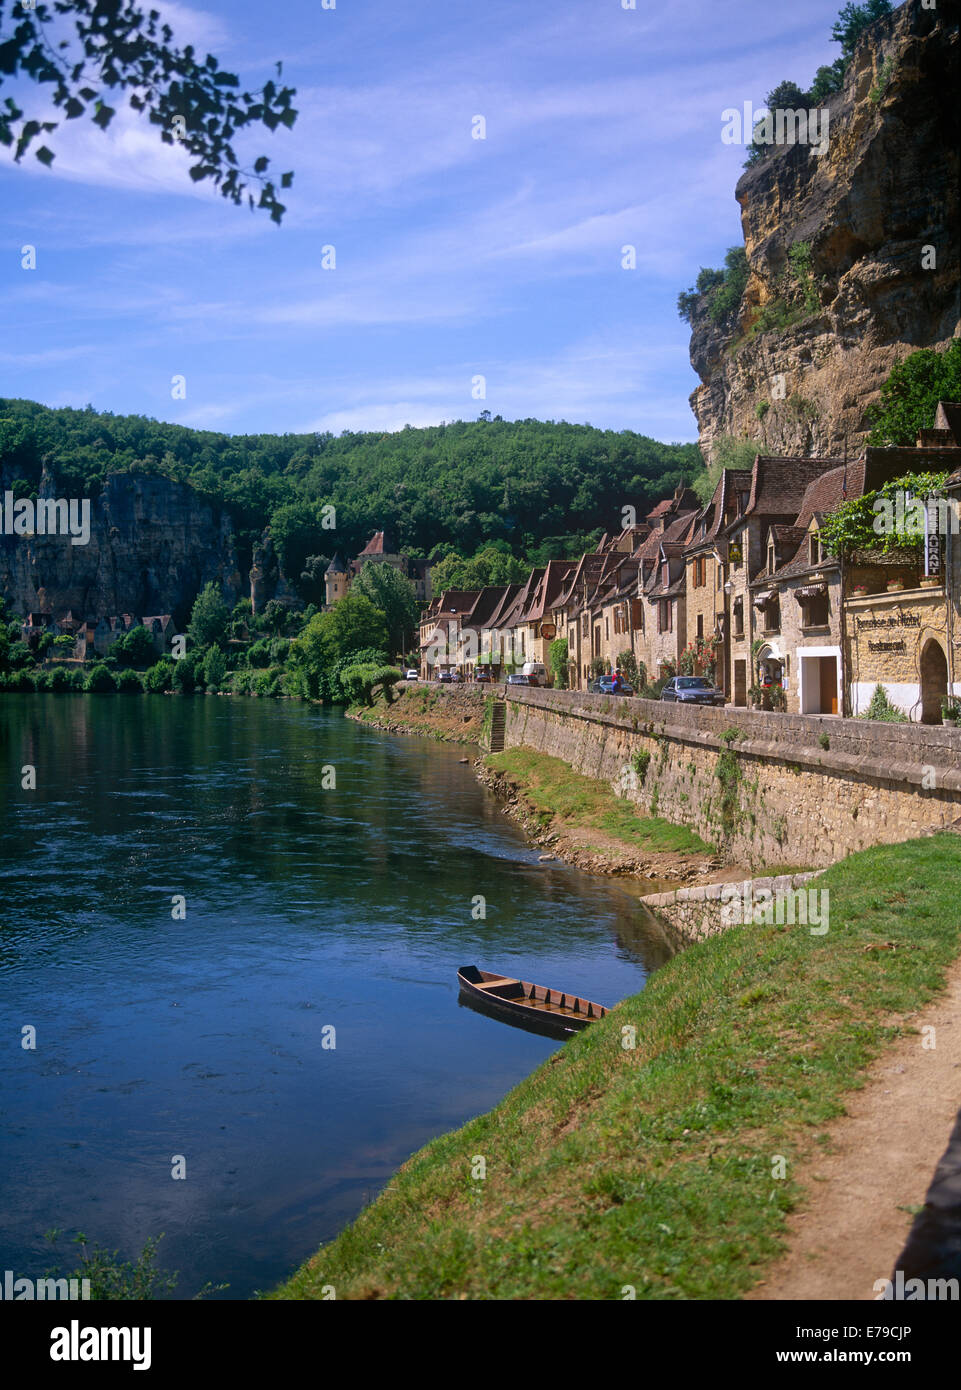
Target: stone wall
767,789
693,914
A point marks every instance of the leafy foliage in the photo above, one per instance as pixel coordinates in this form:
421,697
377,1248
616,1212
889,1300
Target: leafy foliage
909,397
88,53
393,594
464,485
856,524
209,619
881,708
848,28
718,292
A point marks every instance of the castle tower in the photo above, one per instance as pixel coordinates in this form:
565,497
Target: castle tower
336,580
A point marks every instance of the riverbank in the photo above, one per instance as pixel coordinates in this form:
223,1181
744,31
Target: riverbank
644,1156
582,821
452,714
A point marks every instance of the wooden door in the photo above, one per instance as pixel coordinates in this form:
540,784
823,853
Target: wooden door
828,694
740,682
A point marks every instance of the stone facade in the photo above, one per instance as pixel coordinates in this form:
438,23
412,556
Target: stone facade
900,641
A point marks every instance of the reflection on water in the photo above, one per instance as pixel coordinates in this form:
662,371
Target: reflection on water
305,909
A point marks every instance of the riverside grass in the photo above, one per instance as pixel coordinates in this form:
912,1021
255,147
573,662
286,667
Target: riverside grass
652,1167
573,801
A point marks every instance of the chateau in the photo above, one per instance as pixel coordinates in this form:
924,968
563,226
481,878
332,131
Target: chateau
380,550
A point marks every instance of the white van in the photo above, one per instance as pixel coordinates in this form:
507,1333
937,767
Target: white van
535,671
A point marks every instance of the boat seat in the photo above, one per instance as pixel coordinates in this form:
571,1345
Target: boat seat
496,984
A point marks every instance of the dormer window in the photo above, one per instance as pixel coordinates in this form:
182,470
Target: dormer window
770,559
814,543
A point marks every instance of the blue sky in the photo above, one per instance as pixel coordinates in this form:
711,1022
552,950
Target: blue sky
455,257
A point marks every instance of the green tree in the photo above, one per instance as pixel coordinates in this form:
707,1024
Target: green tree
209,618
89,52
852,22
909,397
296,531
393,594
214,668
559,656
183,680
351,625
100,681
135,648
160,677
129,683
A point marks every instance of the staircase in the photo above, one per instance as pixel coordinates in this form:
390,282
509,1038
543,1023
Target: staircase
498,722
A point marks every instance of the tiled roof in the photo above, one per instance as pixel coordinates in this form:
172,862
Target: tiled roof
778,484
827,492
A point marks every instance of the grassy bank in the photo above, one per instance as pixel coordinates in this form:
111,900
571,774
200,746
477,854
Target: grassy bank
565,800
452,714
652,1167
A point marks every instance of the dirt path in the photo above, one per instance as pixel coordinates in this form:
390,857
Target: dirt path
884,1153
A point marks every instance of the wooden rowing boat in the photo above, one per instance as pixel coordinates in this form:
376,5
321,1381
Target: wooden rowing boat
519,1001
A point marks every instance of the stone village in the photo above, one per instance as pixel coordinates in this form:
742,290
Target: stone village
744,591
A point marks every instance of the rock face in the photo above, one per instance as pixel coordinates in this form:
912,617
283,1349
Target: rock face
872,207
154,544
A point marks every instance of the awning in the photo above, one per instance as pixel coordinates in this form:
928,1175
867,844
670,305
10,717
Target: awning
762,600
810,591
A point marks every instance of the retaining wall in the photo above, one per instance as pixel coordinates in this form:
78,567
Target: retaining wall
765,788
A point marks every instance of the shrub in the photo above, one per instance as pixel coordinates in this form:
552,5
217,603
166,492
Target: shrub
640,762
129,683
159,677
882,708
61,679
100,681
183,679
214,668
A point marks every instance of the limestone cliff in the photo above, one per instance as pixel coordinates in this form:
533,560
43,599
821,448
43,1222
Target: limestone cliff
153,544
885,189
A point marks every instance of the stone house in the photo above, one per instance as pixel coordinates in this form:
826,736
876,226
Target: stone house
901,611
706,606
572,617
775,499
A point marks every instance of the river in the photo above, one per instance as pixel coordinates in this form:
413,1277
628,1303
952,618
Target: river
189,1036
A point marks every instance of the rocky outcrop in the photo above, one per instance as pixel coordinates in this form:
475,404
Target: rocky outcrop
154,543
884,190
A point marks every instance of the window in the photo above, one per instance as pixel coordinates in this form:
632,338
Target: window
607,628
664,612
770,559
772,616
738,617
735,555
700,571
816,611
700,627
815,548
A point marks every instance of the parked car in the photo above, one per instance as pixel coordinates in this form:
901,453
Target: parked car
483,673
412,675
613,685
445,675
535,671
692,690
517,679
